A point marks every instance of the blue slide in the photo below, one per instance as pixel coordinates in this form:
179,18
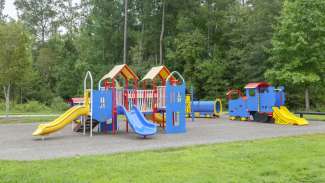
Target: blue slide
138,122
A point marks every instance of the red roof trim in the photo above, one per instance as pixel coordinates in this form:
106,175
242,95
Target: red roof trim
257,85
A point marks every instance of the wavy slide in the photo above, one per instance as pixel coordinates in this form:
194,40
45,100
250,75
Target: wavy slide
138,122
283,116
62,121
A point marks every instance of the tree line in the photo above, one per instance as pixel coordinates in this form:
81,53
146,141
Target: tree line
215,44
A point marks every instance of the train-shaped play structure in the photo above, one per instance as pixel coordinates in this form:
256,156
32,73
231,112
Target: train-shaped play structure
263,103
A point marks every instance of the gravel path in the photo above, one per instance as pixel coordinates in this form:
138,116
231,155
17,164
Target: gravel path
16,142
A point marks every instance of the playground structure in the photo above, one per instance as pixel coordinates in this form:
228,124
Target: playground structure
101,107
264,103
200,108
157,76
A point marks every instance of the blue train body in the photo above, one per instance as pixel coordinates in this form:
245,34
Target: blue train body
258,101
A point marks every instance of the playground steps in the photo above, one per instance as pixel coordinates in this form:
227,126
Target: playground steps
80,127
283,116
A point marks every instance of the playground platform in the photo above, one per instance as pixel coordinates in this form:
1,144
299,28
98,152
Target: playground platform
17,143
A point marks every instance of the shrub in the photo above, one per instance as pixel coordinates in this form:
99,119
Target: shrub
31,106
58,104
2,106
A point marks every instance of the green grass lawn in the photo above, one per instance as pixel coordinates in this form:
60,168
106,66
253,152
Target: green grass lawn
294,159
15,120
315,117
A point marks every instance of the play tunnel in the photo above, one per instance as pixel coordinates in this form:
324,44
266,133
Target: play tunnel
205,108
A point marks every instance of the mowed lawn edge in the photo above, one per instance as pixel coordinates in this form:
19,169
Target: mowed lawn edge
285,159
27,120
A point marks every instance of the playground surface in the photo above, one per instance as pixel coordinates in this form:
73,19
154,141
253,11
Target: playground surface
17,143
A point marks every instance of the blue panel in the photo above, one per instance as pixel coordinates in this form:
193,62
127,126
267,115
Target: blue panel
102,105
252,101
267,99
104,127
238,108
175,104
280,97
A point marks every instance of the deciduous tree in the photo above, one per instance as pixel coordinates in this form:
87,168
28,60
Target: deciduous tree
297,56
15,57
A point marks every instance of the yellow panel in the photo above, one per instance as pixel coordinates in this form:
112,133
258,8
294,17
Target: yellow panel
124,69
164,74
159,118
128,73
162,71
188,104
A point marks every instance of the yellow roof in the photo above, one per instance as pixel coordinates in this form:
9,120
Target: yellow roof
121,69
161,71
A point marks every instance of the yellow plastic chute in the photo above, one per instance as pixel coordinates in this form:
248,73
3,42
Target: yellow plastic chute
62,121
283,116
66,118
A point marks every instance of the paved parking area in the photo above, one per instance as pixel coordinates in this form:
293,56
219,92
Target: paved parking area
17,143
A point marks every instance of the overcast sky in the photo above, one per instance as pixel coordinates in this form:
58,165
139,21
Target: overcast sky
10,9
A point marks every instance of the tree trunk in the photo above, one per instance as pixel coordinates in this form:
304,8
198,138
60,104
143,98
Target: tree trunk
141,44
162,33
307,102
209,27
6,91
125,30
21,95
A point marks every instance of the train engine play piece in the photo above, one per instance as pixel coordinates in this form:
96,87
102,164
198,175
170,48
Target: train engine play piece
262,102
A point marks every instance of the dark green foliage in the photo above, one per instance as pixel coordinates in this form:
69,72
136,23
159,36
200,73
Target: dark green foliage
215,44
297,56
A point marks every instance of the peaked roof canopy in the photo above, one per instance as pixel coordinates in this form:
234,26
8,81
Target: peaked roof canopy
257,85
160,71
124,70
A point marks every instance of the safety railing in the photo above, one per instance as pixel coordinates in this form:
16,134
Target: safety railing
161,97
131,97
120,96
143,99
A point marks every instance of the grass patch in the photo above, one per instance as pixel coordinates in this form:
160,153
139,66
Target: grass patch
315,117
35,107
15,120
293,159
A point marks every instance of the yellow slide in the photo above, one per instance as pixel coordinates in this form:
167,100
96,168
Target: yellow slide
158,118
283,116
62,121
